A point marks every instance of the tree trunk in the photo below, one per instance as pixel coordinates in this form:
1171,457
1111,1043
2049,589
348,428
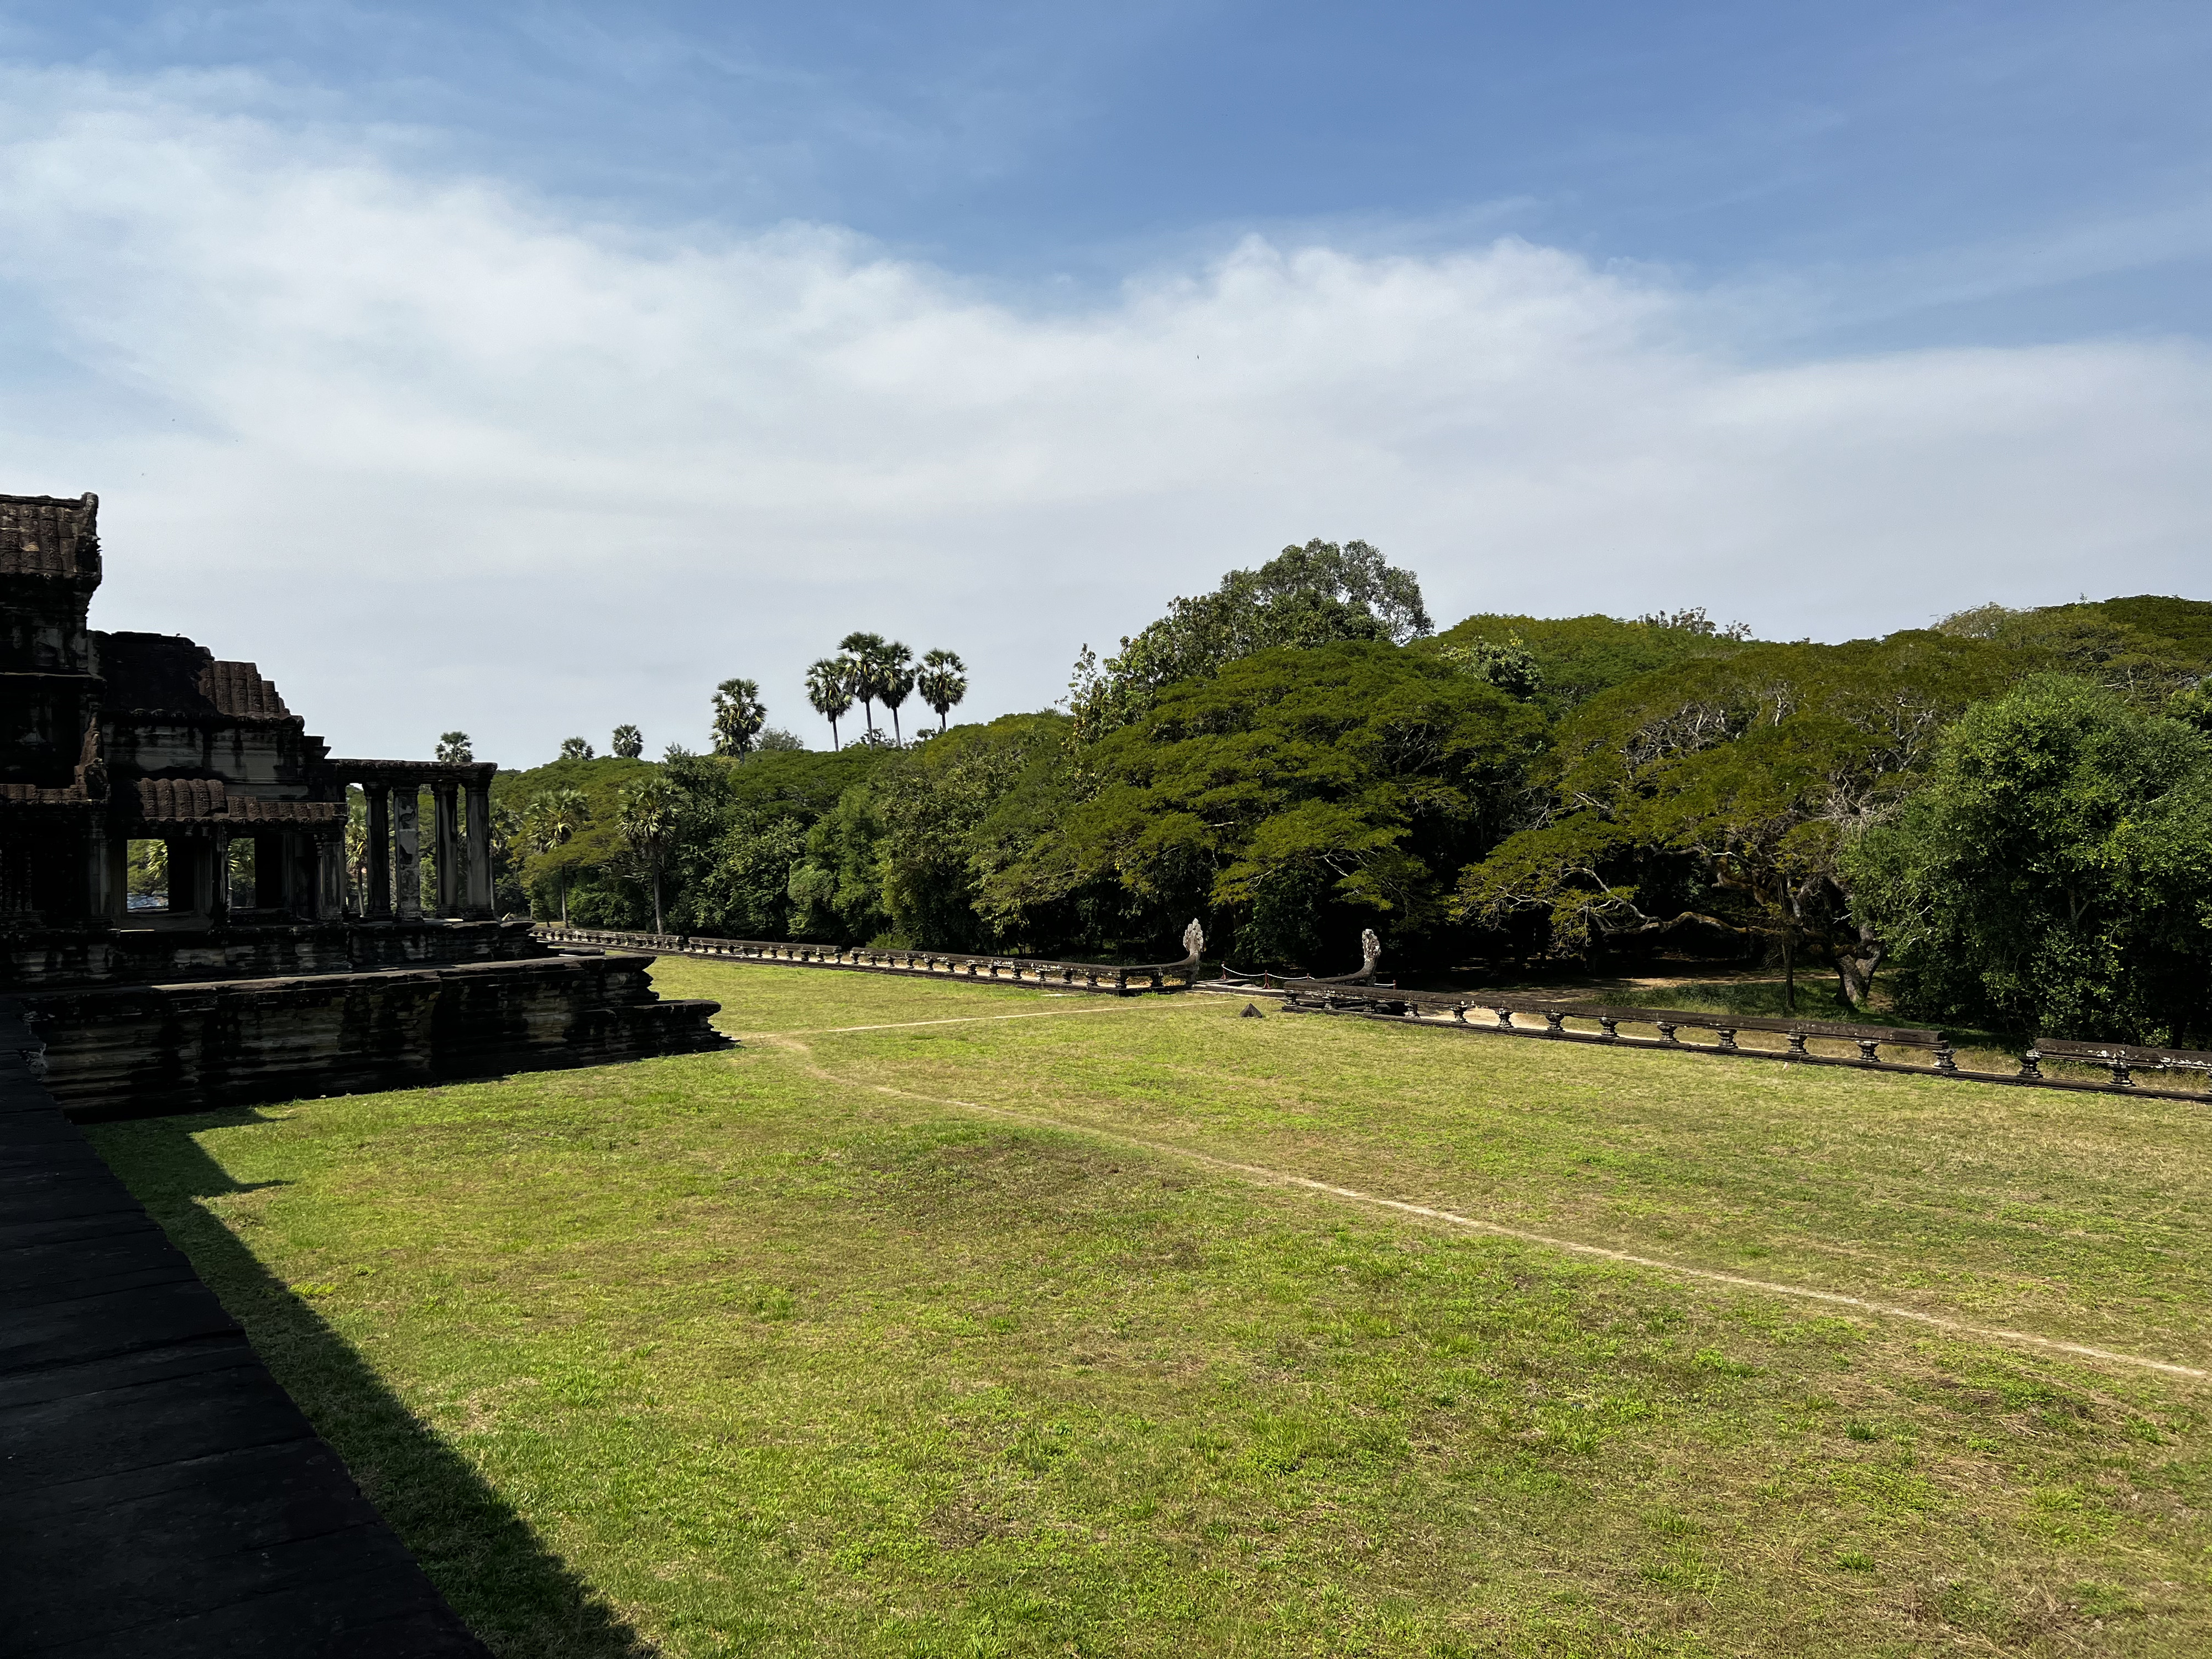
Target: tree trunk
656,899
562,876
834,744
1789,971
1856,968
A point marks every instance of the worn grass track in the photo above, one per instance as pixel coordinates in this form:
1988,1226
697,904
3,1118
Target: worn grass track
738,1353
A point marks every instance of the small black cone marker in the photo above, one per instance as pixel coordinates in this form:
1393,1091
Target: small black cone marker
1251,1012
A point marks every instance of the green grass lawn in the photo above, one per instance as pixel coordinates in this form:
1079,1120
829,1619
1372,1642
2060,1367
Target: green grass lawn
803,1348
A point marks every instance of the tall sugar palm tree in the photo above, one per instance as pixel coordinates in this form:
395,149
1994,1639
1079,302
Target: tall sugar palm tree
646,823
896,681
830,689
740,714
942,682
627,743
453,749
550,822
866,651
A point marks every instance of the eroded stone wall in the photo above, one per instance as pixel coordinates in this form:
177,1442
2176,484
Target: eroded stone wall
146,1050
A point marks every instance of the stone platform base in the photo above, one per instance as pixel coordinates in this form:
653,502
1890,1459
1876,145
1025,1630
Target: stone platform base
60,959
149,1050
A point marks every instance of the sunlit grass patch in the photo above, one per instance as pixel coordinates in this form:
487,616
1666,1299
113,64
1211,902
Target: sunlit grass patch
747,1356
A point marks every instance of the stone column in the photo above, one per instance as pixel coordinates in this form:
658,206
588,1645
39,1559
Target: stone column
117,854
218,906
376,902
188,881
444,806
481,901
301,876
406,854
269,872
330,876
99,872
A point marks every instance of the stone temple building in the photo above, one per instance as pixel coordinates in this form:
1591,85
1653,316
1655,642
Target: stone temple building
111,739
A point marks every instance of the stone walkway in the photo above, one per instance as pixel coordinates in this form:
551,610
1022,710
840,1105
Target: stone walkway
159,1493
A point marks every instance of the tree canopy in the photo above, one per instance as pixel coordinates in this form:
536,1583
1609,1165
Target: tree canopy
1293,756
1571,659
1306,596
2055,874
1296,789
1716,795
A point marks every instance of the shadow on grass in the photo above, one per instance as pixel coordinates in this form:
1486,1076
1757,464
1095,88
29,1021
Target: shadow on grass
514,1593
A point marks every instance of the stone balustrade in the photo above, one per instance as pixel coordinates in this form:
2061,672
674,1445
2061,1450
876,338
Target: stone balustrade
1929,1052
1107,979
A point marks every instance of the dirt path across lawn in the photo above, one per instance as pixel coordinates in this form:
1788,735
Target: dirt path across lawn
1863,1304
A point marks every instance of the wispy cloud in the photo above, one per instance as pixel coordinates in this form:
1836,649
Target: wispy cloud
434,453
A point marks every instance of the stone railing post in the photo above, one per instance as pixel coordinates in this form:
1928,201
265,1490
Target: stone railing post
406,854
376,900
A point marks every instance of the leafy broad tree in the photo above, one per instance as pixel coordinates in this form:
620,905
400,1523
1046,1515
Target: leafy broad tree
627,744
1297,795
1570,659
942,682
1715,797
549,821
1306,596
453,749
740,714
830,689
575,749
1507,664
2055,873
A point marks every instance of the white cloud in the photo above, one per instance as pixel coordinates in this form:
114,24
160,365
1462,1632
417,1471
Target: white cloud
433,453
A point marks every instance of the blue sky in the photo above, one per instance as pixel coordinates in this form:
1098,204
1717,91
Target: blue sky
1954,172
913,282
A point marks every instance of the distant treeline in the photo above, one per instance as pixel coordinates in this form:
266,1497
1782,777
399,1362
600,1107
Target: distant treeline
2007,817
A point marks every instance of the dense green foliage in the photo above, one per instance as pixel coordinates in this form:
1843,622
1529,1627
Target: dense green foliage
1575,658
2055,872
1295,796
1716,797
1315,595
1293,757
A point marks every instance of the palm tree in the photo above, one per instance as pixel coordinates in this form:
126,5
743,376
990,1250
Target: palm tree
942,682
575,749
865,652
453,749
550,822
627,743
648,825
740,714
897,680
830,689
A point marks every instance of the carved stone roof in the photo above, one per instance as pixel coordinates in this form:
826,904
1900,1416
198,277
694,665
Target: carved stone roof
49,536
169,674
31,794
199,800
